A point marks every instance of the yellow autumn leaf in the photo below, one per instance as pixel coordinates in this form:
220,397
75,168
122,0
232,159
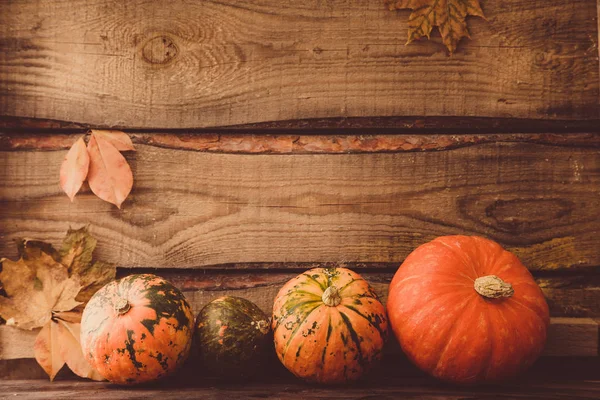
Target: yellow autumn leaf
448,15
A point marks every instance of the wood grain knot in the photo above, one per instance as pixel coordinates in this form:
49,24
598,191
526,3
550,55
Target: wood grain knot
520,215
159,50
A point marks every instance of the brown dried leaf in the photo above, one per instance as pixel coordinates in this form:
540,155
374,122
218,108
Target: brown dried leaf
95,277
448,15
47,349
76,253
76,250
74,168
36,287
110,177
31,249
120,140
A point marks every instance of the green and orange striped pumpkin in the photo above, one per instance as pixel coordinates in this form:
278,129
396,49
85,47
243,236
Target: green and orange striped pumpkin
329,326
137,329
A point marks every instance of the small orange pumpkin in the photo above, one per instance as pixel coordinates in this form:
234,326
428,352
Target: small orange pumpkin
137,329
329,326
465,310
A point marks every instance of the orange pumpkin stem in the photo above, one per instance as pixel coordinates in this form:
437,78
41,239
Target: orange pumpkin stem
331,296
122,306
492,287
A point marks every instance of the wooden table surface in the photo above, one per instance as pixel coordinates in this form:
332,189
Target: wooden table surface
550,378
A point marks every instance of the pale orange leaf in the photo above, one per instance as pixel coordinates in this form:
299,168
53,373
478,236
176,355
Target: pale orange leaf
70,350
47,349
109,176
74,168
120,140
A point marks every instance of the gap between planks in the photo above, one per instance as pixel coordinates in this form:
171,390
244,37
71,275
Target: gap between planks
265,142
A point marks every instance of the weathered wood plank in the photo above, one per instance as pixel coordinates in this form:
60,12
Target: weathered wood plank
191,209
572,337
567,296
175,64
567,337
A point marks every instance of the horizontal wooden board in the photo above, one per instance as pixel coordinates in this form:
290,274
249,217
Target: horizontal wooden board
567,337
175,64
191,209
566,297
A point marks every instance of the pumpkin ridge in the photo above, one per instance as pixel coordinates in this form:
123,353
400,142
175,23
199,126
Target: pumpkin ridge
350,283
307,293
438,298
324,353
316,281
299,324
452,330
459,256
491,337
515,301
458,279
354,337
376,326
291,310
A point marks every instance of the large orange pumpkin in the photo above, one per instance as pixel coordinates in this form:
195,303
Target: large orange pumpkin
465,310
329,326
137,329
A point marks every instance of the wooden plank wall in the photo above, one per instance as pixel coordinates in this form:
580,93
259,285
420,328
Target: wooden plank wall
241,214
176,64
276,136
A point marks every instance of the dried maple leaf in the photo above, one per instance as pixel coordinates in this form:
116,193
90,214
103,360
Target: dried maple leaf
448,15
110,177
42,288
74,169
36,288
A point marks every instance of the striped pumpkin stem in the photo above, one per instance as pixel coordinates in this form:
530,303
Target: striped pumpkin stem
331,296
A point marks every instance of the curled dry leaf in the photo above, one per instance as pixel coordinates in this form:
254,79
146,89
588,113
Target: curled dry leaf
70,349
44,286
74,168
58,344
448,15
109,176
120,140
47,349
